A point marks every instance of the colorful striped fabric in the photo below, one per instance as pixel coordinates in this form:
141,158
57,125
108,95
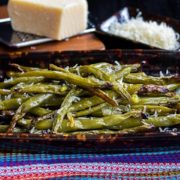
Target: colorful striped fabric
125,163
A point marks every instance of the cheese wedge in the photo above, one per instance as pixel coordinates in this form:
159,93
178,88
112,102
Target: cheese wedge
56,19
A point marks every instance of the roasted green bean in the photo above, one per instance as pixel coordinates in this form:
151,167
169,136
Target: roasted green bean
66,76
133,130
164,121
88,99
66,104
4,128
26,107
5,91
136,78
90,110
161,110
88,124
43,88
11,103
14,81
118,122
24,68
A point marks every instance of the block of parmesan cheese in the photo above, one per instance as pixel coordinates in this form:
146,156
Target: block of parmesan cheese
56,19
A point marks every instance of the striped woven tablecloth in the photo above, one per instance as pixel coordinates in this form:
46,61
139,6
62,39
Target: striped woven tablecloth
162,162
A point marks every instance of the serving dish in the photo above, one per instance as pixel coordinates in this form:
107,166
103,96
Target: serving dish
125,14
152,63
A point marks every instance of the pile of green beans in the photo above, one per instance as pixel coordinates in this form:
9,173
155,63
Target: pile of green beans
98,98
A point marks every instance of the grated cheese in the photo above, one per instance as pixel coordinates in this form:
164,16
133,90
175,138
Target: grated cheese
147,32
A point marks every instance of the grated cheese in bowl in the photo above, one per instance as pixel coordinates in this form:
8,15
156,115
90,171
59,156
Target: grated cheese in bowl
148,32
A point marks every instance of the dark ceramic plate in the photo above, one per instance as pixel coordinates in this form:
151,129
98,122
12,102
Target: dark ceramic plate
114,41
152,63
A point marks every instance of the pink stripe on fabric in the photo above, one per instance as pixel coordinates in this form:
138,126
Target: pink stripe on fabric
87,174
92,168
55,175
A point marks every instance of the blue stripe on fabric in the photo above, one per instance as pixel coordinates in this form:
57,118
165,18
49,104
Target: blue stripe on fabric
163,158
65,156
12,157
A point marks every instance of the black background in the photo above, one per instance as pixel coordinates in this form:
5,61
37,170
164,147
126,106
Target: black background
104,8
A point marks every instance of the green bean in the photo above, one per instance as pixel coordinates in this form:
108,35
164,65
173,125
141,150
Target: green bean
24,68
115,122
137,129
90,110
107,66
164,121
86,103
163,101
116,99
134,130
162,110
118,87
54,101
109,78
136,78
134,67
52,115
19,85
128,123
65,106
89,124
43,88
107,110
94,91
103,76
11,103
96,72
57,68
101,65
103,95
25,123
44,124
5,91
172,87
12,74
31,103
4,128
122,73
159,100
92,101
109,69
20,95
38,111
66,76
153,100
132,88
14,81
